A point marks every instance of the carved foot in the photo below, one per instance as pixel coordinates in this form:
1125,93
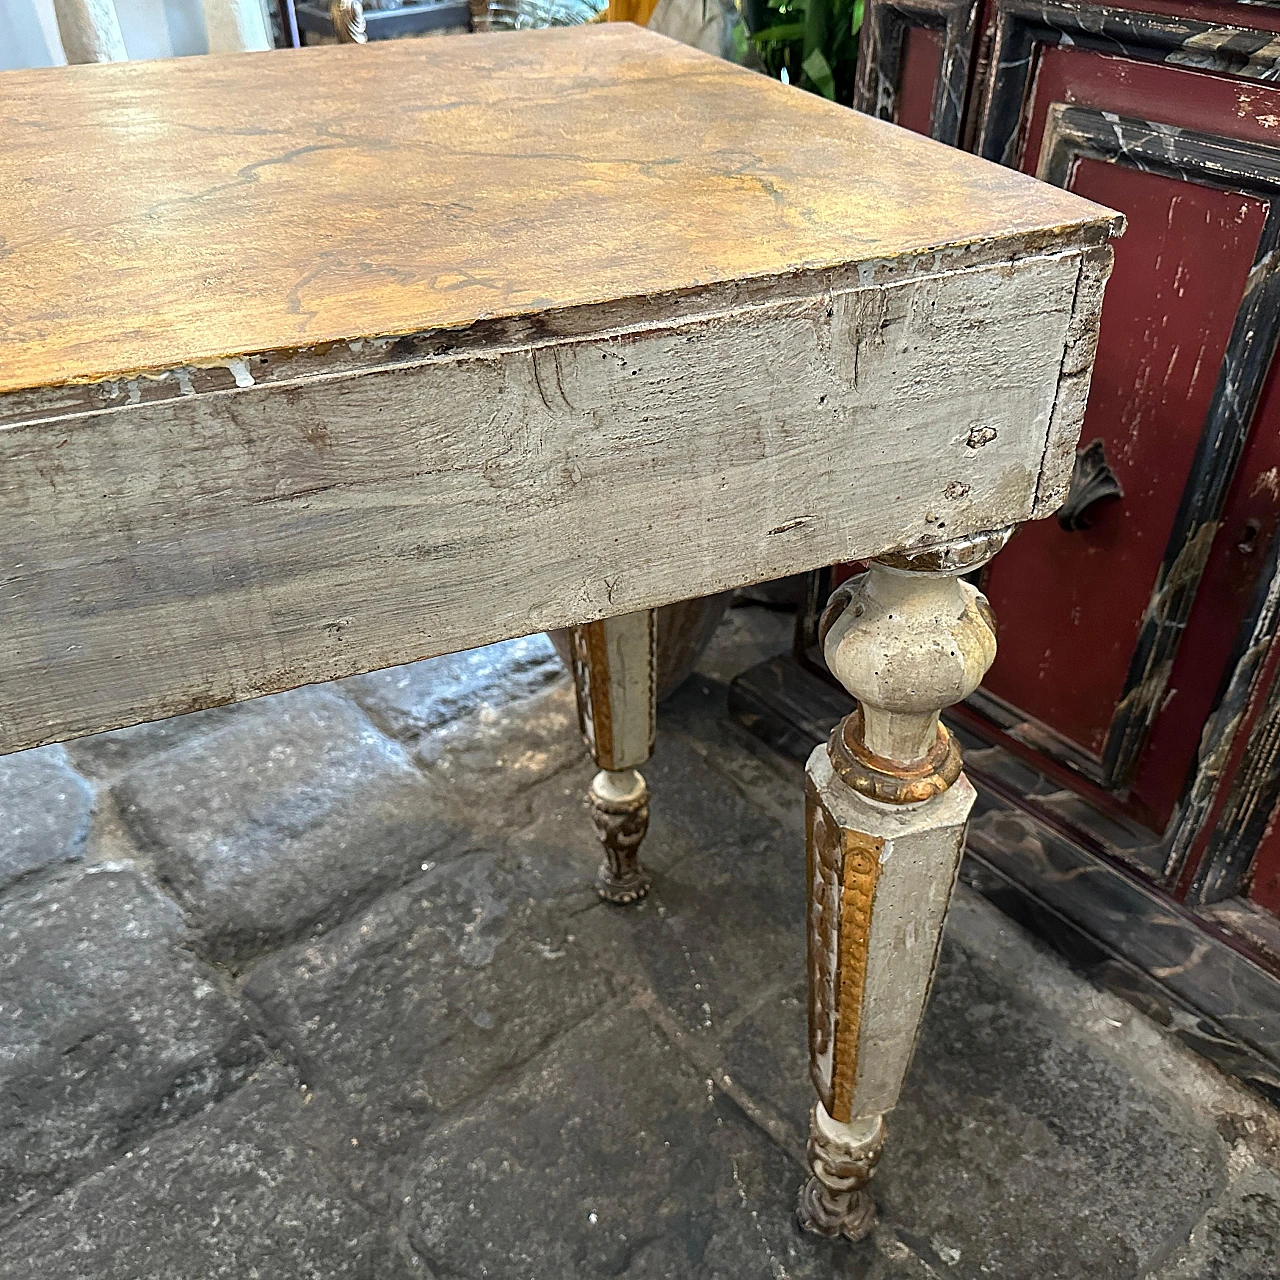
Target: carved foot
835,1200
619,802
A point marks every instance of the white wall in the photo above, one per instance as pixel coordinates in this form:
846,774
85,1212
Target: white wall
151,28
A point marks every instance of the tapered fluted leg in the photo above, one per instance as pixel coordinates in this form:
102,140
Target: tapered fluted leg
613,670
886,806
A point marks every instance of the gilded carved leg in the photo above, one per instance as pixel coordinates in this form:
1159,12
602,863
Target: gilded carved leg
886,806
613,669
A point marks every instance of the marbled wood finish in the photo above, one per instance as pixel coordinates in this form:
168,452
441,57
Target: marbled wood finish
521,174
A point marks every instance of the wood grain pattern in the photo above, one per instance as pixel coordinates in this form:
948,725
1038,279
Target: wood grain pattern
175,213
213,547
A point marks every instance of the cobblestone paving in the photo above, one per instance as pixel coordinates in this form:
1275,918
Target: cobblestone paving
317,987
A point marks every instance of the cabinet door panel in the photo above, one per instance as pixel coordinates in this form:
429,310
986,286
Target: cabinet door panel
918,78
1180,271
1265,887
1178,301
1182,35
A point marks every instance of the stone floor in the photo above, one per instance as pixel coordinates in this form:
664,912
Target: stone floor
316,987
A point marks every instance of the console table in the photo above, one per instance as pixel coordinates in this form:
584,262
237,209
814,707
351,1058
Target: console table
319,361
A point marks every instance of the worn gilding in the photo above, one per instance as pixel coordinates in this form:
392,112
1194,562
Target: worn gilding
843,866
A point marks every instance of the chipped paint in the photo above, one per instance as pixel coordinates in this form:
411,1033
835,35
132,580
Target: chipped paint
1268,480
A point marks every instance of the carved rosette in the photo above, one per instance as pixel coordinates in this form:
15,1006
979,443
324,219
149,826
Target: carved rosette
620,813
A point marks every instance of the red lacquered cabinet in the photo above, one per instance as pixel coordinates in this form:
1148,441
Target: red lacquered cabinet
1126,744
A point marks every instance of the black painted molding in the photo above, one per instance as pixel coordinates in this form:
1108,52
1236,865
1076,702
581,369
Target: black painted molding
1022,25
883,40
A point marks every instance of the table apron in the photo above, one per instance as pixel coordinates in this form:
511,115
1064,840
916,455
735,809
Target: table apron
213,547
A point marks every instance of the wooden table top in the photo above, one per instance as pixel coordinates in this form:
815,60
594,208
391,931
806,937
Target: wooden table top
161,214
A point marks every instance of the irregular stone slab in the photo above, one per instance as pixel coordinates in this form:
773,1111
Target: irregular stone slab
1018,1148
1238,1238
109,1028
410,701
1025,1146
284,821
486,760
766,1053
231,1195
105,755
425,998
488,724
747,635
725,917
44,812
611,1156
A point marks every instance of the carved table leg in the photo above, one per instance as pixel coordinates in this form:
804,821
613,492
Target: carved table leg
886,806
613,669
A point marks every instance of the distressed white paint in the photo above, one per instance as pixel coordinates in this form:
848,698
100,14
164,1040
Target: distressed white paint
213,547
618,786
908,645
861,1132
922,846
1074,381
629,641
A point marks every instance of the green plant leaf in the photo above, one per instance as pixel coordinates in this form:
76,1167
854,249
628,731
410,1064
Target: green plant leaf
780,34
817,24
818,69
859,7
